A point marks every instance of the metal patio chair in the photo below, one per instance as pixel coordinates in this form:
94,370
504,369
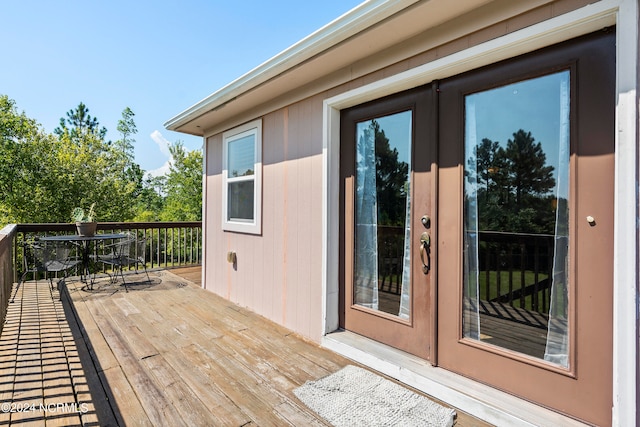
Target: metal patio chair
49,258
126,253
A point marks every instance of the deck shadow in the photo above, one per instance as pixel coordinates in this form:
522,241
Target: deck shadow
97,388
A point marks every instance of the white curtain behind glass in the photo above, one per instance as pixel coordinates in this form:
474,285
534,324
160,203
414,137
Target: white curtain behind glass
405,293
471,303
557,348
366,262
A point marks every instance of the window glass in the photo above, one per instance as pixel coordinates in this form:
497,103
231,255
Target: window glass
241,159
382,266
516,219
240,201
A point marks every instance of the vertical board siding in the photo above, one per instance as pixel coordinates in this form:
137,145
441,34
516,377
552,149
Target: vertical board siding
291,221
278,273
268,294
273,218
215,273
314,238
300,205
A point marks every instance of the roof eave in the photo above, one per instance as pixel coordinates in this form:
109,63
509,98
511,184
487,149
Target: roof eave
342,28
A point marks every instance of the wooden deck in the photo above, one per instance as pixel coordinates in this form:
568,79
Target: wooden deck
513,328
164,352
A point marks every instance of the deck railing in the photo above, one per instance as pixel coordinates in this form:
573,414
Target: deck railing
514,267
168,245
390,258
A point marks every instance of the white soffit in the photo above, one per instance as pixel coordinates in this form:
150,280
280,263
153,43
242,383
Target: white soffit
371,27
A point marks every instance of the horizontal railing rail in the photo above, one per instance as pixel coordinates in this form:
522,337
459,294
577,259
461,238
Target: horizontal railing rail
168,244
514,268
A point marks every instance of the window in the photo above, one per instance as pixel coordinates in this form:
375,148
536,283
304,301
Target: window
242,178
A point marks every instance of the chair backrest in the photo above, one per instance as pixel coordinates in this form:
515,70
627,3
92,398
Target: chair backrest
134,250
33,256
48,256
57,251
141,250
59,256
129,250
122,248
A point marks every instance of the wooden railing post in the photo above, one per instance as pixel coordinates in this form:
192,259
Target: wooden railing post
7,273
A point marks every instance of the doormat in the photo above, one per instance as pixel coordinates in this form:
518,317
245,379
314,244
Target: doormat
356,397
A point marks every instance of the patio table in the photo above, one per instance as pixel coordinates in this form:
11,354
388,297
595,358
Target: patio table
85,243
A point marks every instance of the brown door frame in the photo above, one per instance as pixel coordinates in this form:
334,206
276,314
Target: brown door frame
596,142
592,99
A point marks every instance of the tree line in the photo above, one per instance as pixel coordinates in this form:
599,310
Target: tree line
514,186
43,176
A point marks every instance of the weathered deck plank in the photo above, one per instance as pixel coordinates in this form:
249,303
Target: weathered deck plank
37,384
163,353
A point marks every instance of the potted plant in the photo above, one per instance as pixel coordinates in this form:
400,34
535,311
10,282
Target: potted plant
85,220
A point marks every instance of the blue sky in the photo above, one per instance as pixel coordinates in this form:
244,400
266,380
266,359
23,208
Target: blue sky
155,57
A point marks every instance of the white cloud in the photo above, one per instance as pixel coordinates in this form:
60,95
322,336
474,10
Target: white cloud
162,170
163,144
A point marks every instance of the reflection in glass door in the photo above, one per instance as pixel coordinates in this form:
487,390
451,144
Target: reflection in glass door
382,262
525,230
516,217
385,158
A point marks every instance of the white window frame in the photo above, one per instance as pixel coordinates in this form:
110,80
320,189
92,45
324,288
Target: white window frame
252,227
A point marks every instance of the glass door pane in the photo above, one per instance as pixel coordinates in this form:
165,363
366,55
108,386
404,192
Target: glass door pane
382,214
516,217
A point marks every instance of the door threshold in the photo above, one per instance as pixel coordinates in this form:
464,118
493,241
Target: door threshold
479,400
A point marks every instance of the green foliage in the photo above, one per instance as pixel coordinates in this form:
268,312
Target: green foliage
80,123
86,171
127,128
80,215
391,178
183,186
149,201
43,176
514,185
25,153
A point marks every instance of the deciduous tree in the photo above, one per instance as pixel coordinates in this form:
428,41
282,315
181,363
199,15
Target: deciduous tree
183,186
44,176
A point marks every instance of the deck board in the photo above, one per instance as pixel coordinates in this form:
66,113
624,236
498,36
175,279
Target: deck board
159,353
513,328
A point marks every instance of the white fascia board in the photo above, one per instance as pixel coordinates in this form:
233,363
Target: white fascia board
358,19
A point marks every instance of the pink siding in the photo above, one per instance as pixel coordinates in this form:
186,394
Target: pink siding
278,273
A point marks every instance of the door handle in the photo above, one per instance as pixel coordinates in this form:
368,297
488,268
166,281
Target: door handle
425,249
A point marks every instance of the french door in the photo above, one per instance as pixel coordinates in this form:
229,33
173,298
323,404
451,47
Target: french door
386,161
478,220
